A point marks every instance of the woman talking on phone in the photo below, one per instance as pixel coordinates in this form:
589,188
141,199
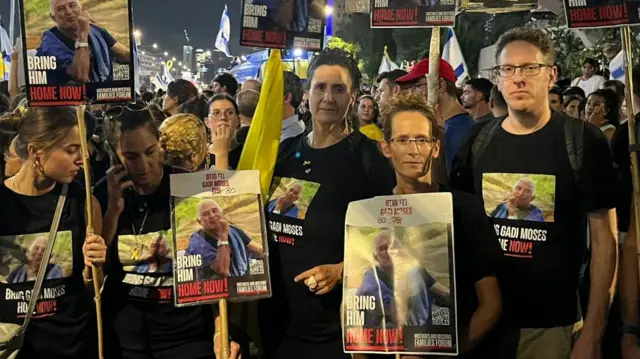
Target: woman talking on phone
135,197
63,325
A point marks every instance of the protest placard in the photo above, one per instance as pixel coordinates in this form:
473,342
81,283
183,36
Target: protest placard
412,13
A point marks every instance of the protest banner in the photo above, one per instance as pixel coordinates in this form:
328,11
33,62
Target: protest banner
284,24
77,51
412,13
498,6
399,280
598,13
219,237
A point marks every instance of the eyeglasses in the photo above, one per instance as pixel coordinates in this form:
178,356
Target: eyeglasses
117,111
506,71
219,113
404,142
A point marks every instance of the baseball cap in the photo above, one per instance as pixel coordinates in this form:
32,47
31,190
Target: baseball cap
422,68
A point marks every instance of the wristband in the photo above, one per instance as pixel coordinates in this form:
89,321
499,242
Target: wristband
223,243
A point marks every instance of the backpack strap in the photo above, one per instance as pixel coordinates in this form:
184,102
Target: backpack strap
481,142
574,141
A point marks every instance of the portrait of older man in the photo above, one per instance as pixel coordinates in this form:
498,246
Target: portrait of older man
224,248
286,204
518,205
158,257
84,52
34,257
403,302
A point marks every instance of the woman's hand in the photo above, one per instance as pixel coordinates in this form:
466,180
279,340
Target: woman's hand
234,348
116,186
221,139
94,251
322,279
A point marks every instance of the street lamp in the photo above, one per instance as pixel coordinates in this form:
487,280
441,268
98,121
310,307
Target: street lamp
180,63
166,53
173,59
155,46
328,10
142,52
137,33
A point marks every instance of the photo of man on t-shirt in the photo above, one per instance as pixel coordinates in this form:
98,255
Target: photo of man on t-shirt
157,259
225,249
517,204
29,270
285,204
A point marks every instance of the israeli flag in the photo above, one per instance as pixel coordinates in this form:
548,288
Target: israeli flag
386,64
136,64
224,32
616,67
163,78
452,54
6,48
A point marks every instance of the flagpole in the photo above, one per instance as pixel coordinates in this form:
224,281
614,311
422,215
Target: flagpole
12,13
628,74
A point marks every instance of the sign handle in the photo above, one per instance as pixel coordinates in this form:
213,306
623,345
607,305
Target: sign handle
224,329
89,204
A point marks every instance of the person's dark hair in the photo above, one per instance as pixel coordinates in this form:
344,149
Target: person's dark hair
156,112
293,86
147,96
197,106
208,94
613,106
618,86
121,119
247,101
182,89
9,126
392,76
497,98
535,37
556,91
575,90
44,127
408,101
227,80
483,86
568,99
336,57
591,61
222,97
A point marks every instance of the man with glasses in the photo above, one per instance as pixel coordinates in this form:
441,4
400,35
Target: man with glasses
541,313
449,111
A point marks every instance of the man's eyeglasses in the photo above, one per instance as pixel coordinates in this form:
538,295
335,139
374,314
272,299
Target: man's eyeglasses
506,71
219,113
117,111
404,142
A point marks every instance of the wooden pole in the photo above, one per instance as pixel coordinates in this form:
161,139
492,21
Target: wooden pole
628,74
434,67
224,329
89,203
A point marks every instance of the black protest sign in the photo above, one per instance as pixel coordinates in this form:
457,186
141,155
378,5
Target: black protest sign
284,24
412,13
77,51
600,13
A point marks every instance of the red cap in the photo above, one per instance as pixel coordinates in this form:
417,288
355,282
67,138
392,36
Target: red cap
422,68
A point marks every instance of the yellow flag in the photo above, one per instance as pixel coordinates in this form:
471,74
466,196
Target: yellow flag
261,147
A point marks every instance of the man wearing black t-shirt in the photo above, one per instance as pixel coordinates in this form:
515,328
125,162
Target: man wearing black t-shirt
411,143
83,50
543,260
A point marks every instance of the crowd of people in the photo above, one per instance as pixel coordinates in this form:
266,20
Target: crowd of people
574,295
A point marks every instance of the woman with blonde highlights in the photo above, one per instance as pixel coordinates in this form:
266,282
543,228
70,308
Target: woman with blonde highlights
183,139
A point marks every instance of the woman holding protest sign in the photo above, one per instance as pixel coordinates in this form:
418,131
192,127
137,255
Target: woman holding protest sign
63,323
136,198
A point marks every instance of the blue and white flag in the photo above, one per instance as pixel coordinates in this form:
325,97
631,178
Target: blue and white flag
616,67
6,47
386,64
452,54
163,78
224,32
136,64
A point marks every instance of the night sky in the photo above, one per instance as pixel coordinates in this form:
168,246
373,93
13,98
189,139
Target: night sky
164,22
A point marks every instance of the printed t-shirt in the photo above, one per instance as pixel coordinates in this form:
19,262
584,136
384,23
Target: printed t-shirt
540,277
331,178
64,323
138,294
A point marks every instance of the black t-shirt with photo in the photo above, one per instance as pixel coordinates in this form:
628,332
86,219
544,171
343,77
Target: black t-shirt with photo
544,250
140,317
332,177
622,163
64,323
